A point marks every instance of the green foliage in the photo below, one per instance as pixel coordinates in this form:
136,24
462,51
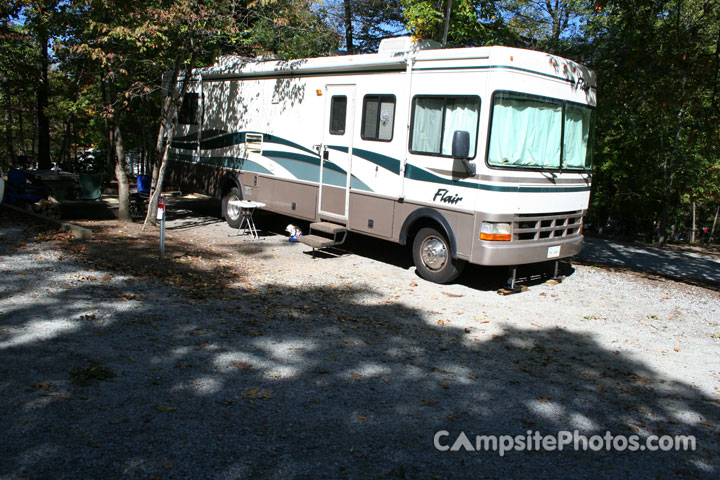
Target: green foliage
290,29
547,26
472,22
657,139
657,116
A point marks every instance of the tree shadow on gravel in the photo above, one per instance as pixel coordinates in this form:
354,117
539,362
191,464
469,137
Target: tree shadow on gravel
287,383
673,264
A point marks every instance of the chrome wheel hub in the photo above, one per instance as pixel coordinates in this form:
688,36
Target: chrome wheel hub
233,211
433,253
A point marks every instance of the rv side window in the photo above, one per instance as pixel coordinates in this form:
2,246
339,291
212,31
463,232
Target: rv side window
189,110
378,117
436,119
338,111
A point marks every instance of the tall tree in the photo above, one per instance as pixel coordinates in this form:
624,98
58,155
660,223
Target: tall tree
471,22
44,18
364,23
288,28
549,25
658,123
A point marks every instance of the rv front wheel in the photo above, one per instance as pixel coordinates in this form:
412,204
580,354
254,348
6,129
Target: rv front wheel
230,212
431,254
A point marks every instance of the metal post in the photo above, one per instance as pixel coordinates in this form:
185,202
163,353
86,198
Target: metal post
513,276
161,217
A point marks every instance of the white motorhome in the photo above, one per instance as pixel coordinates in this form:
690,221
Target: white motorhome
477,155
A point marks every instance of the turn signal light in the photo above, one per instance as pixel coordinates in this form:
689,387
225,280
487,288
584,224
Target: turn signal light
496,232
495,237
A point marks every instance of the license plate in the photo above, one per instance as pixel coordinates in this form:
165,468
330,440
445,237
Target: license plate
553,252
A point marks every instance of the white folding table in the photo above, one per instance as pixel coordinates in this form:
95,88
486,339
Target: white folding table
247,209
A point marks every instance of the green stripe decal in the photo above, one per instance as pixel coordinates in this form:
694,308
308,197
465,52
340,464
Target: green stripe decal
306,165
303,167
284,141
388,163
184,145
414,173
222,141
421,175
234,163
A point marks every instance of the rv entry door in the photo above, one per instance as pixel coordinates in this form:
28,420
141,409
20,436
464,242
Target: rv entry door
336,151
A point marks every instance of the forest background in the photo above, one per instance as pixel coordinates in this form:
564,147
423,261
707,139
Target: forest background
80,82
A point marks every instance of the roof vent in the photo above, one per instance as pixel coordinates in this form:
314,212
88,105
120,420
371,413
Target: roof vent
406,44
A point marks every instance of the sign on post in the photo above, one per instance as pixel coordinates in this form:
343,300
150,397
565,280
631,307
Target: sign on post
161,217
161,208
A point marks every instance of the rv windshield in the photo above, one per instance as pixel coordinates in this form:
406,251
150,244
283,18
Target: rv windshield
533,132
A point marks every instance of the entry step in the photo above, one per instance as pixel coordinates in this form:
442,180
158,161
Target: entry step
327,227
336,235
316,241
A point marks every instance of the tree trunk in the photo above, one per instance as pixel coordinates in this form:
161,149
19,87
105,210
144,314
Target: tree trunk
108,132
669,172
120,175
349,28
715,221
33,142
8,126
168,124
694,224
21,130
43,123
446,28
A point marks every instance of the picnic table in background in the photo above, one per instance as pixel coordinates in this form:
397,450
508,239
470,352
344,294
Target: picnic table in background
61,185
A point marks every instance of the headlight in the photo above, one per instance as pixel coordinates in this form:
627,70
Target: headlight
499,232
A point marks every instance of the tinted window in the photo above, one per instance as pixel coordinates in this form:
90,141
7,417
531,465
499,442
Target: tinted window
189,110
338,112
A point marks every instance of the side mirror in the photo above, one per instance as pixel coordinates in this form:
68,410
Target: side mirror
461,144
461,149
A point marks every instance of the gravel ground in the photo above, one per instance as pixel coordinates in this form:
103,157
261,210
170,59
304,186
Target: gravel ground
337,367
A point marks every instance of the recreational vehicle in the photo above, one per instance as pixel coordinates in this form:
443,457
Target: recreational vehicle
477,155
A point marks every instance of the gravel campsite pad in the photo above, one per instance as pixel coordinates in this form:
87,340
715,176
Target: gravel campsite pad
238,359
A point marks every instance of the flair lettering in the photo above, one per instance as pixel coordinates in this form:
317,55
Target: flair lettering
442,195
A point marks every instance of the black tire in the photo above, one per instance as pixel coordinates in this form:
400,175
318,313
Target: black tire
431,254
231,214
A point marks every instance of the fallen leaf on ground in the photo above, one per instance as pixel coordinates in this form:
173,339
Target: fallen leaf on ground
165,408
44,385
244,366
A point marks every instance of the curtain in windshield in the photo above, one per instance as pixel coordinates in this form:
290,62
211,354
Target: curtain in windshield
577,137
525,132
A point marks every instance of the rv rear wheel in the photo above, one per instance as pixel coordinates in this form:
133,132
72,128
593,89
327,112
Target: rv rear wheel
431,254
231,213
